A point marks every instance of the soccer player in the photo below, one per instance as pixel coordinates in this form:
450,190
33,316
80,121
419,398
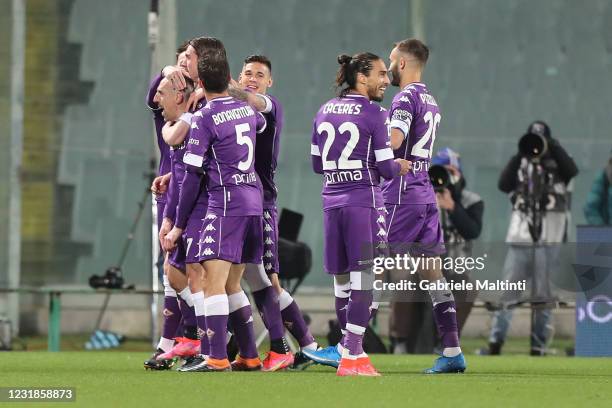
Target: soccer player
350,147
222,143
412,215
274,303
183,257
172,311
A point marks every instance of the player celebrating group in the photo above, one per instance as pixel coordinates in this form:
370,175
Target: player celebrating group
350,147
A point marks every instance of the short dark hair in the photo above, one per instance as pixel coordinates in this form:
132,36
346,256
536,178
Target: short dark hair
415,48
181,49
262,59
349,68
189,87
214,71
203,44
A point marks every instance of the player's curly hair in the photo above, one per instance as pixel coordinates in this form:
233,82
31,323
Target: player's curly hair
346,77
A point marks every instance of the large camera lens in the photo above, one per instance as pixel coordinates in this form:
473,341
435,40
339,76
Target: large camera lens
532,146
439,177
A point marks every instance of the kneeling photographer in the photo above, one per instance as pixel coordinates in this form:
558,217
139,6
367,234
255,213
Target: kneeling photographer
537,180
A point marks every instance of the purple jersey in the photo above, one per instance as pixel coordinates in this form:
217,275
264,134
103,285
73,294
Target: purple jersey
223,134
350,145
266,150
158,119
416,114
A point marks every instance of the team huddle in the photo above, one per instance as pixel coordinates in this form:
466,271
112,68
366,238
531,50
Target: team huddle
217,218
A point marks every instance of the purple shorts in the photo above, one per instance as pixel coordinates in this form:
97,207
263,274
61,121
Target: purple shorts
353,238
187,249
415,227
270,243
234,239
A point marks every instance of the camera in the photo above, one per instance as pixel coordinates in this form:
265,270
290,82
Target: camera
532,146
112,279
440,177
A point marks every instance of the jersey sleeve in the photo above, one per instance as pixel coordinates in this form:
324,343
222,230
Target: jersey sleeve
381,144
402,111
199,140
261,122
152,91
270,104
315,153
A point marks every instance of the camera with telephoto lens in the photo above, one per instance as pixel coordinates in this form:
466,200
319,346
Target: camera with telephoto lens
532,146
440,177
112,279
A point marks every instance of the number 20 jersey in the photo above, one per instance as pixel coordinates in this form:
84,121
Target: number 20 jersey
416,114
351,135
223,136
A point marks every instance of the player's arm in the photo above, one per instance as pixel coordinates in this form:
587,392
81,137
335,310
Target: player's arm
260,103
151,94
315,153
400,118
261,123
388,166
175,132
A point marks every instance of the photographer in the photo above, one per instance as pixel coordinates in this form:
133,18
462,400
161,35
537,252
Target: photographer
537,179
461,213
461,221
598,207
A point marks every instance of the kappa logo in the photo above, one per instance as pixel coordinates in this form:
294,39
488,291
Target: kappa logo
194,125
381,219
268,266
208,252
450,310
167,313
211,217
267,215
209,240
210,227
267,228
381,233
269,241
198,113
268,254
404,99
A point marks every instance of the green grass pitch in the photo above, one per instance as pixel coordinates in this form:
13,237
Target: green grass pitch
117,379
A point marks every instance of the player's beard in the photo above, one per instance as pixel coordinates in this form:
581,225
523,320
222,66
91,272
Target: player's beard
395,76
376,94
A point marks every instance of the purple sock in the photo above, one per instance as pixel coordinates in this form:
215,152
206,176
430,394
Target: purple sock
204,344
294,321
353,342
188,313
358,310
172,317
242,323
217,311
445,315
341,309
268,305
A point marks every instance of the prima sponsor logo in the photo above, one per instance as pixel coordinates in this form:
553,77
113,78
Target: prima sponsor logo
333,177
194,142
241,178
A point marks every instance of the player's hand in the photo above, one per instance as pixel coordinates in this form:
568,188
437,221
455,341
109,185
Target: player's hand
175,75
234,84
194,98
166,226
405,166
171,238
160,184
445,200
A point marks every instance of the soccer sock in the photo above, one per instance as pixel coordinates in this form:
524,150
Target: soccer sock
200,313
294,321
445,315
241,318
357,315
217,311
341,293
268,305
374,310
188,312
172,313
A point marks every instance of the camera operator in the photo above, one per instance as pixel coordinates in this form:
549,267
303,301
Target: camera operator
598,207
461,220
537,179
461,213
